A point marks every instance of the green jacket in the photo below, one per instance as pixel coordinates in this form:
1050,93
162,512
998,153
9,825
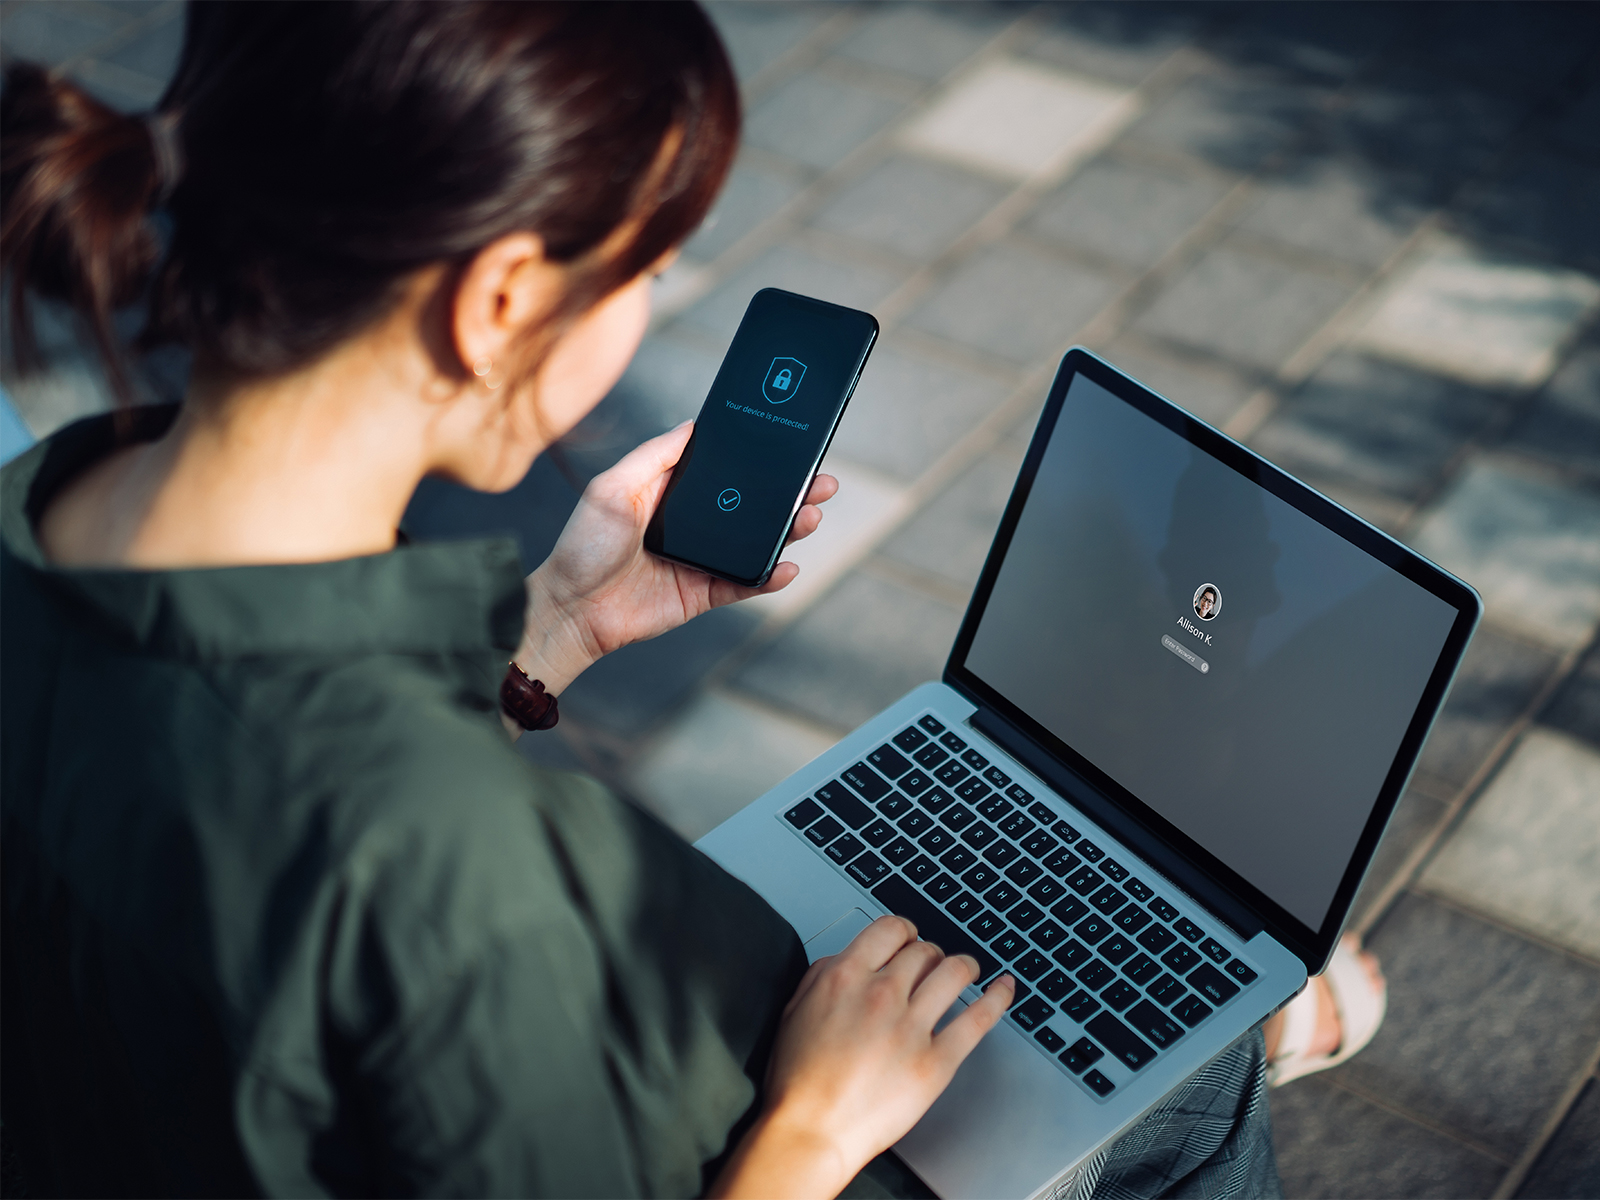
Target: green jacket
286,913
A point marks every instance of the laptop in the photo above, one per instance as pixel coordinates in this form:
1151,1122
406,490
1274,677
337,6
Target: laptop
1184,701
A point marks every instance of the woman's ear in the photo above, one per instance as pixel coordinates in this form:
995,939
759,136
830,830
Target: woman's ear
506,288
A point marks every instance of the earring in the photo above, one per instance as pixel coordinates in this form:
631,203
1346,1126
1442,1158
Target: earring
481,369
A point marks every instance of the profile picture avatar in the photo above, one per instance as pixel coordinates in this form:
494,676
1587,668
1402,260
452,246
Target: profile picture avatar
1207,601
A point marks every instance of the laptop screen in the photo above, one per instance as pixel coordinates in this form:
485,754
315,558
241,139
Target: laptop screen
1241,669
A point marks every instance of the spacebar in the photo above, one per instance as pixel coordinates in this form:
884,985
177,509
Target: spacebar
903,900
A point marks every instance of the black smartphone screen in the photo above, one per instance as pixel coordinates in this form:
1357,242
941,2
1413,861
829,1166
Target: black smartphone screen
761,435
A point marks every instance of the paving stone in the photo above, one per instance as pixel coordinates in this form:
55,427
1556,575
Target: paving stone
123,90
1545,202
1529,545
817,119
756,35
1575,708
925,43
1010,301
1235,121
631,690
1244,307
1478,317
1415,817
1562,426
1128,212
1344,210
751,195
909,409
551,751
950,538
153,53
53,33
1210,390
912,206
1383,426
1528,852
862,647
1498,679
856,284
1569,1167
1483,1029
1324,42
1416,121
1335,1145
1017,119
718,757
1111,41
666,382
534,512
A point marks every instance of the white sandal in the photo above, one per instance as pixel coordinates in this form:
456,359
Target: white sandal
1359,1004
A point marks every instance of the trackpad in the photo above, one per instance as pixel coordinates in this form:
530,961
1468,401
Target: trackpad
837,936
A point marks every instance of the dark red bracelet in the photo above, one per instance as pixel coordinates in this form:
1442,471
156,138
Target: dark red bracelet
526,702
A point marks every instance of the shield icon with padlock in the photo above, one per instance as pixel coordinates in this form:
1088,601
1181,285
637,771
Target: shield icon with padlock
783,379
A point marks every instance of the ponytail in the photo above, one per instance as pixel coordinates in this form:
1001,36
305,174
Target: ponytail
78,181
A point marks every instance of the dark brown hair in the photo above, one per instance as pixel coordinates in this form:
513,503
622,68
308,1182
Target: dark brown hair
309,157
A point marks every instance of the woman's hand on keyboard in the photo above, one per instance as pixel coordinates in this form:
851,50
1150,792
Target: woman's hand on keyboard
857,1061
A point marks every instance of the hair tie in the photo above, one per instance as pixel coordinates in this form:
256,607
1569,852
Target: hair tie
163,130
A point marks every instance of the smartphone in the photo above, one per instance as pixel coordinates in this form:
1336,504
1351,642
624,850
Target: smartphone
761,435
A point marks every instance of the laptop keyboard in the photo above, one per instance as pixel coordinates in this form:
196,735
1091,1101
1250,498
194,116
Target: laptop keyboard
1107,971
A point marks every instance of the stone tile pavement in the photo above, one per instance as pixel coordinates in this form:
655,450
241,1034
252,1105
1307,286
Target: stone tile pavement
1362,239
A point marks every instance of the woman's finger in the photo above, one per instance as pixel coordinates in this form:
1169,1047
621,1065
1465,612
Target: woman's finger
823,489
957,1039
647,464
875,945
938,991
805,523
913,964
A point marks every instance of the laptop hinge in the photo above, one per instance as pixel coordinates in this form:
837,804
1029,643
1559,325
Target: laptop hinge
1125,828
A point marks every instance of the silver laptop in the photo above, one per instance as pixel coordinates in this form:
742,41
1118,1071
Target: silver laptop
1184,701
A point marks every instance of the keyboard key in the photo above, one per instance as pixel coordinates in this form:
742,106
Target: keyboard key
1188,930
1049,1038
986,925
1048,936
997,777
1022,992
1141,969
931,724
1001,896
876,834
965,906
909,738
1039,843
958,859
975,760
899,851
1090,851
844,805
1002,854
1073,955
1131,919
936,800
915,823
1070,911
1065,832
1094,975
951,742
1120,1041
1114,870
866,781
1116,949
1092,929
1107,899
1026,915
868,870
1156,939
951,773
941,887
803,814
995,808
1119,995
847,847
1149,1020
1046,891
1181,959
895,806
979,836
1165,990
937,840
1008,945
1140,891
1085,880
824,831
1098,1083
1240,973
890,763
973,791
921,869
1163,910
1210,983
1062,861
1031,965
1040,812
915,783
1056,985
1032,1013
1018,826
900,898
1191,1010
1080,1006
981,878
1084,1053
1214,950
958,817
929,757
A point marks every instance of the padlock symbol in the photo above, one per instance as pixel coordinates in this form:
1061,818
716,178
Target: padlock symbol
782,380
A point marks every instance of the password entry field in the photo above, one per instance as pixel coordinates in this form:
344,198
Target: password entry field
1183,652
